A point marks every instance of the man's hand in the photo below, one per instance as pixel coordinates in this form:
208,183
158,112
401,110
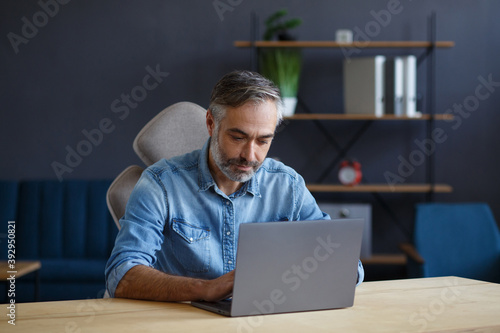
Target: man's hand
219,288
142,282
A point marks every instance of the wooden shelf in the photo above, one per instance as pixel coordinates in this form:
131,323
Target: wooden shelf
370,188
21,268
330,44
343,116
385,259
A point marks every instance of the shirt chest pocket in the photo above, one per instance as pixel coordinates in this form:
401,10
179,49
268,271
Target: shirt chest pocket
191,245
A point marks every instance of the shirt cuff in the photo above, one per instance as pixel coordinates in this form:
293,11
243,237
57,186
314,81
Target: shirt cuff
361,273
116,274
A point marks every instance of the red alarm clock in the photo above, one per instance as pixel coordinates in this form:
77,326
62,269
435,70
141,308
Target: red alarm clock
350,173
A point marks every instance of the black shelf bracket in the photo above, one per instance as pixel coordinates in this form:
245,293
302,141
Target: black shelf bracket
431,103
341,151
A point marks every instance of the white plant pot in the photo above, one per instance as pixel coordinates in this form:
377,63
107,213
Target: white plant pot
289,104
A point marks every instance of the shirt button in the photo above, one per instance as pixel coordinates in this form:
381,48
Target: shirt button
228,233
191,239
229,262
227,203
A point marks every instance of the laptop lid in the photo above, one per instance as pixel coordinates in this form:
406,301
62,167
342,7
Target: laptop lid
296,266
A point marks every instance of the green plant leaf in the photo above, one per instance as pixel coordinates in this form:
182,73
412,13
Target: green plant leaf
275,24
282,66
276,16
292,23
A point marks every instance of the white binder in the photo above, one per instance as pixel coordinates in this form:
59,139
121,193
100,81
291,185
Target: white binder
410,86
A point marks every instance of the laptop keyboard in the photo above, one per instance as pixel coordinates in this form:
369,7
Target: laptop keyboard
224,305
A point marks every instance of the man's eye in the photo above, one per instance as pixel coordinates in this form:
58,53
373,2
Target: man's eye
236,138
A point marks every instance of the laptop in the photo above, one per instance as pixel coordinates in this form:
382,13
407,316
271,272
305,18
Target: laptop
293,266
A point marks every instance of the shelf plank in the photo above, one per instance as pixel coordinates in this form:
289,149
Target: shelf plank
333,44
385,188
21,268
385,259
343,116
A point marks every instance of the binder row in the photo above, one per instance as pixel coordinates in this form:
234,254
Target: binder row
377,85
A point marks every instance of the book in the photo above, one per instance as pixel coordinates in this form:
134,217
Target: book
394,86
410,86
364,85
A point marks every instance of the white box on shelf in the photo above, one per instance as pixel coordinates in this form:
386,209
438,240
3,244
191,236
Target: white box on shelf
364,85
356,210
343,36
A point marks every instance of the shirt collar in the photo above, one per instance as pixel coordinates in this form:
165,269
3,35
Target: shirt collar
205,179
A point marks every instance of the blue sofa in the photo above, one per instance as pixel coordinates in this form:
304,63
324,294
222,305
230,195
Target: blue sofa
66,225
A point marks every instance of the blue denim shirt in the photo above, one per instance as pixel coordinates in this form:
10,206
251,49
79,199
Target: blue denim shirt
178,221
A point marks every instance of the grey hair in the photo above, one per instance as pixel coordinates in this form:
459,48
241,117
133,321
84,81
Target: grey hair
239,87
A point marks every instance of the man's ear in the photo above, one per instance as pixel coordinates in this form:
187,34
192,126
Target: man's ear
210,122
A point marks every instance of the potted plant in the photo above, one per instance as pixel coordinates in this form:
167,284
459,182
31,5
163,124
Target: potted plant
282,65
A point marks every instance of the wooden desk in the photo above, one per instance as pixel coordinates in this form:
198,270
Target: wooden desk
448,304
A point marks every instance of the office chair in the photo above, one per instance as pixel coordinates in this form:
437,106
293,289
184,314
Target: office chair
178,129
454,239
119,191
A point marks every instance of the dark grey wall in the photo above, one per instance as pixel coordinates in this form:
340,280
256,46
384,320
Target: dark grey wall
69,75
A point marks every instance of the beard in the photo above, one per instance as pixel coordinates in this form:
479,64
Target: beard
228,165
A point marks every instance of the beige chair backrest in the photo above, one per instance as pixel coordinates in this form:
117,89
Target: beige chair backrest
178,129
119,191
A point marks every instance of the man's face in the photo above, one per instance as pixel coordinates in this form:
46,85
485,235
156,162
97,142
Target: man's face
242,140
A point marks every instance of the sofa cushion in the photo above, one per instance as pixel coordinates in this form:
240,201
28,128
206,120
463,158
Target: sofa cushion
64,220
75,270
8,207
67,226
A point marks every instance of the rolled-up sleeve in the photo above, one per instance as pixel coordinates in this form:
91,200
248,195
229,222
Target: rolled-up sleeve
361,273
141,233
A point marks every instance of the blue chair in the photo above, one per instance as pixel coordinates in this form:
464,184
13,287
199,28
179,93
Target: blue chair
455,239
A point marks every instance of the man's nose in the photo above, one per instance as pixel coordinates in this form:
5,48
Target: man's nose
248,152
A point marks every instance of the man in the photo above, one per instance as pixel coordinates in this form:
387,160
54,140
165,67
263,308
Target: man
178,238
